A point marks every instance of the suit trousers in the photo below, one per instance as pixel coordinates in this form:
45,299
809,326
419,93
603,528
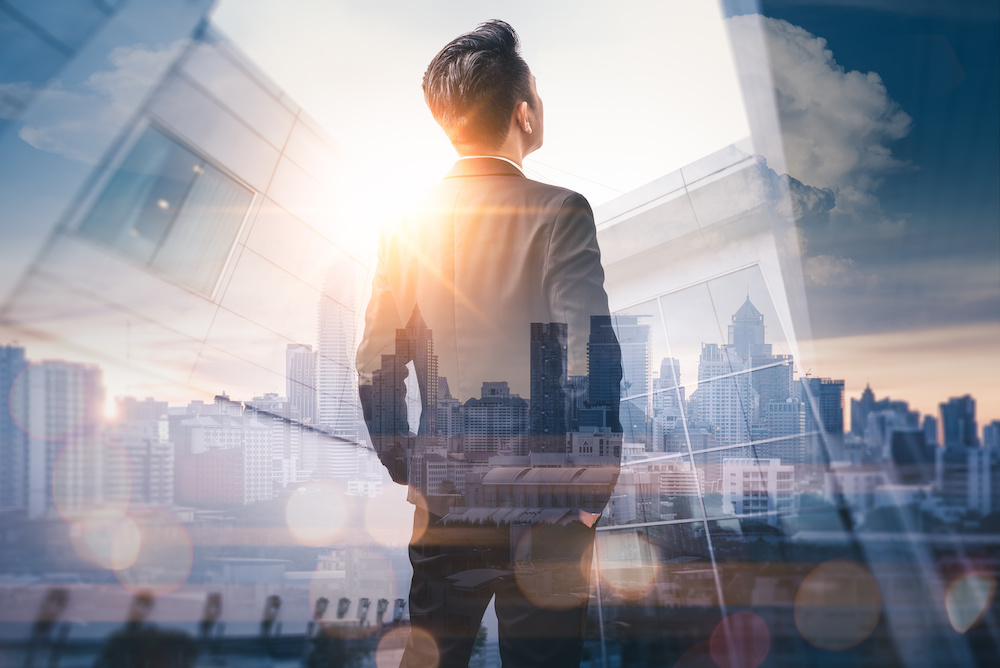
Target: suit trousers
539,573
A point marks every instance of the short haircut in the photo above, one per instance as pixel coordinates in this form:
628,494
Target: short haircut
474,83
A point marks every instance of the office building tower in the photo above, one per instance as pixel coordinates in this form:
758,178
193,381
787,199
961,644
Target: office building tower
604,377
549,400
634,342
991,437
415,347
449,411
338,407
578,388
958,416
723,394
63,419
300,380
860,408
286,436
139,468
823,407
867,404
824,399
227,456
931,430
746,333
13,440
496,422
784,427
753,486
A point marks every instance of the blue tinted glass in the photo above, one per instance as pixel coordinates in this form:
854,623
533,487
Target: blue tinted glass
166,207
68,22
24,56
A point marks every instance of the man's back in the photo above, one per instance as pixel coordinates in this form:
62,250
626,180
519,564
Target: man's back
487,253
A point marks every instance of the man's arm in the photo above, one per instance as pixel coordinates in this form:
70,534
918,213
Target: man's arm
574,282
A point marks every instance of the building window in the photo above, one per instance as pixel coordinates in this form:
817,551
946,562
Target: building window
169,209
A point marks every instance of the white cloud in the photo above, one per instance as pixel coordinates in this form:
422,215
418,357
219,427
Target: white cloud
836,125
838,272
78,121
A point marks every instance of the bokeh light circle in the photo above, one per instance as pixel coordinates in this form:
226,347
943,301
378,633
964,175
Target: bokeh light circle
389,517
838,605
418,643
80,481
968,598
741,640
316,512
63,425
165,553
107,540
628,563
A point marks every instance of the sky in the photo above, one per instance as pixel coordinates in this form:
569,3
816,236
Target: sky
888,117
903,272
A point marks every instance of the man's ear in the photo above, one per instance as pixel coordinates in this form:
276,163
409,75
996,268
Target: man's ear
521,115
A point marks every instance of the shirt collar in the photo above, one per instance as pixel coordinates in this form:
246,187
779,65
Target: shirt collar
494,157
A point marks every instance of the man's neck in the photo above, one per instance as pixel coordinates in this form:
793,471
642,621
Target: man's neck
494,157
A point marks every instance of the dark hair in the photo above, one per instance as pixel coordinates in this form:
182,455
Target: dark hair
473,84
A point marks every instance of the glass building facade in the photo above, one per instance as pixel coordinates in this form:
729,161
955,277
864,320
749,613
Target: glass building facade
184,453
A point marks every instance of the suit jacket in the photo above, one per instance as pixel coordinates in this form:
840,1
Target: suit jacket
486,253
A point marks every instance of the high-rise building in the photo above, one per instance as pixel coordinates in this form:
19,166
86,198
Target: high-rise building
991,437
549,400
495,422
757,486
931,430
227,458
390,414
338,405
723,394
823,401
604,371
958,416
634,342
867,404
667,402
860,408
300,380
785,422
140,470
286,436
63,420
746,332
13,440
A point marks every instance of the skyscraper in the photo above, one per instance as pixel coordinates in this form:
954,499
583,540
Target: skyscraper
823,400
604,376
338,406
746,332
300,380
13,441
959,418
549,400
723,394
414,345
336,381
65,402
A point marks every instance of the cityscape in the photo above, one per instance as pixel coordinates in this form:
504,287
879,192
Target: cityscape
194,473
750,443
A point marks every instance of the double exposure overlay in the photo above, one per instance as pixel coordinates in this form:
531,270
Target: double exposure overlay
773,392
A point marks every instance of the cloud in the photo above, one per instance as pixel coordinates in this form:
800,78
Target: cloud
838,272
77,121
836,125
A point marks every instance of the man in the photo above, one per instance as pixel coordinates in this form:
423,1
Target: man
493,288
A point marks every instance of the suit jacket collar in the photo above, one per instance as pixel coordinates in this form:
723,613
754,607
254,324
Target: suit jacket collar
483,167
